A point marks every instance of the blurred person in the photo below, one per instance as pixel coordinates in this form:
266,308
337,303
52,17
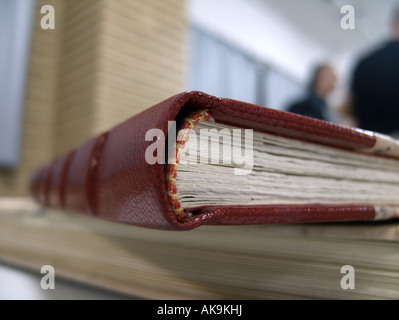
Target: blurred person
314,105
374,96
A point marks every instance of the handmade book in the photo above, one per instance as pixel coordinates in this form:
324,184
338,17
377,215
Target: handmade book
196,159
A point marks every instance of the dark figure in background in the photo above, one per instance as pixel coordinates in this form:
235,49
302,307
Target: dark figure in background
314,105
374,99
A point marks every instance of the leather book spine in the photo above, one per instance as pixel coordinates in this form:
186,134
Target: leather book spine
108,176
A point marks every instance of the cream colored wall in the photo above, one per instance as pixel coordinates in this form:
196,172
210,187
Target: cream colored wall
79,67
105,61
142,57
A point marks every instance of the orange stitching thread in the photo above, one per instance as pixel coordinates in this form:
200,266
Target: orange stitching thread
173,162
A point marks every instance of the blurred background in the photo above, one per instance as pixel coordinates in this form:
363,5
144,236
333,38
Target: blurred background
107,60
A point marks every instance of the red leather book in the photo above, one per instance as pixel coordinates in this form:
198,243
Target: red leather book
109,177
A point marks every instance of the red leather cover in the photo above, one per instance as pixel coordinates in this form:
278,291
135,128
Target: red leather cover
108,177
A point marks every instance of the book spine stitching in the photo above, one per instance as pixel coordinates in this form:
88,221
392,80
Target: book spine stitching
174,159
